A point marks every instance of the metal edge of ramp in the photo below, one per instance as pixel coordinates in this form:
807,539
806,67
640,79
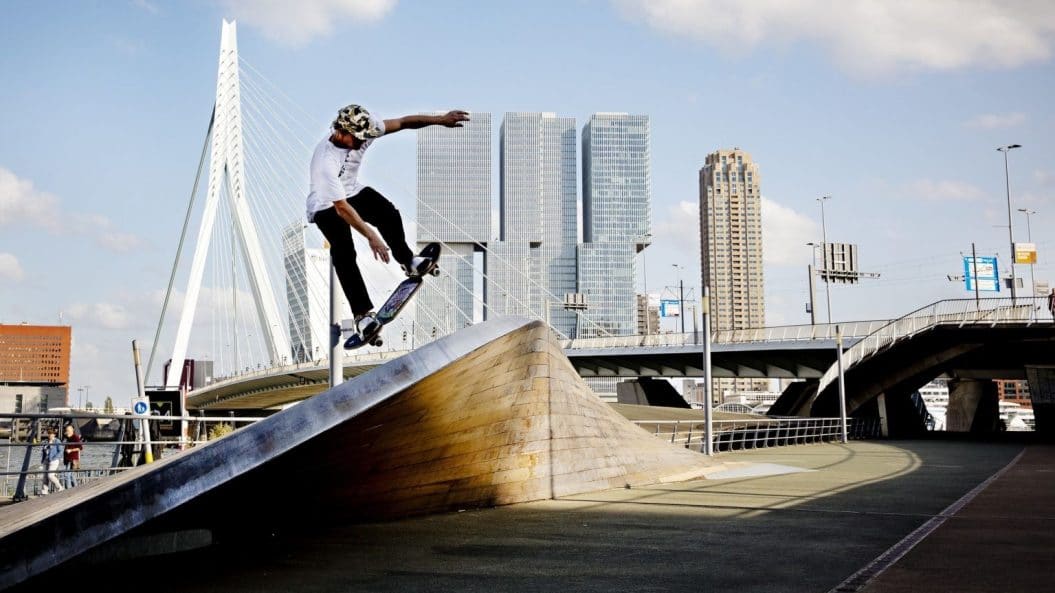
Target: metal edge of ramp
40,534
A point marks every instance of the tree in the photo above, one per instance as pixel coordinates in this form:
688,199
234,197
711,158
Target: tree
108,405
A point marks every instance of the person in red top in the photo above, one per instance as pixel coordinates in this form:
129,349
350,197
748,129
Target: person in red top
72,455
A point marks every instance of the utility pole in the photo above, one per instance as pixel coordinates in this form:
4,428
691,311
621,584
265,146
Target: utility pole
1029,237
974,264
708,388
813,309
681,303
812,272
842,382
336,368
681,296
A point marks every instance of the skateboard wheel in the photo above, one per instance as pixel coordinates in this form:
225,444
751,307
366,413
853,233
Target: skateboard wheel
378,342
434,271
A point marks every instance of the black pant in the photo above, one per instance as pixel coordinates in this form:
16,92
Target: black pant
374,209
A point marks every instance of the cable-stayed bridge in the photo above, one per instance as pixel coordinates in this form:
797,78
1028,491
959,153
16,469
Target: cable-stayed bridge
256,291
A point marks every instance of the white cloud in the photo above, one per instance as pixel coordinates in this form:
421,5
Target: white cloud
996,121
147,6
945,191
866,36
10,269
117,242
681,227
21,204
100,315
785,233
295,23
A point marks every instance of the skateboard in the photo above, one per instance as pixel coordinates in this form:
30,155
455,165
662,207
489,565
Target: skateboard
399,299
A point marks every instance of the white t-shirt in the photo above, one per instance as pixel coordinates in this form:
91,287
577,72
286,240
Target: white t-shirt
335,173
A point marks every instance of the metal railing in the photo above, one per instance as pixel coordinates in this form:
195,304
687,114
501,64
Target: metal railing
730,435
784,333
120,449
958,312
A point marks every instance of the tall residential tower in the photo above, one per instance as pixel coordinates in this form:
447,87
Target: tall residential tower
731,246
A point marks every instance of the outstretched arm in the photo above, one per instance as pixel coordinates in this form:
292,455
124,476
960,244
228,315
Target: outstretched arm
451,119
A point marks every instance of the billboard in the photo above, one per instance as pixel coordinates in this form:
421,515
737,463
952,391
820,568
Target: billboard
840,263
982,271
669,308
166,402
1025,253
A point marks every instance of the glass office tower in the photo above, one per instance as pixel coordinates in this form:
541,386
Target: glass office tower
617,219
453,207
533,267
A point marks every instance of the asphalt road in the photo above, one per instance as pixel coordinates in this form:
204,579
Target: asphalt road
801,531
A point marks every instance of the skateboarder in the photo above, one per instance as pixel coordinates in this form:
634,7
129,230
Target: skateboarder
338,203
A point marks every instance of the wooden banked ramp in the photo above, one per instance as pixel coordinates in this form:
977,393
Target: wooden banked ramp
493,414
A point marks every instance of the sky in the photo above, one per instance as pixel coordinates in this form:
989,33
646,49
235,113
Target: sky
893,109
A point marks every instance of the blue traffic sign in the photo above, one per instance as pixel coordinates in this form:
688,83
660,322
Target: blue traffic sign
669,308
983,271
140,407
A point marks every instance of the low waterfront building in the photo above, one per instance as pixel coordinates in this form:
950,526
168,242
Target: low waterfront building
34,367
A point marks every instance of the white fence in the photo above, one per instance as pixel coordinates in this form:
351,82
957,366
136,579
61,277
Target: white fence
728,435
785,333
958,312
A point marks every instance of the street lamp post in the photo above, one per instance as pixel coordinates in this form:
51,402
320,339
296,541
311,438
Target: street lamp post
824,247
1029,237
1010,232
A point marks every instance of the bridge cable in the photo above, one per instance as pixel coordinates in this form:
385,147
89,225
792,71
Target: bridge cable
179,247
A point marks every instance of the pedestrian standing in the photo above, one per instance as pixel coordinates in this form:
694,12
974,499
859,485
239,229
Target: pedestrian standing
50,458
72,455
1051,304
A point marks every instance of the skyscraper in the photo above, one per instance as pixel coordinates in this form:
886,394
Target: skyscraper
533,266
453,207
731,245
617,218
307,274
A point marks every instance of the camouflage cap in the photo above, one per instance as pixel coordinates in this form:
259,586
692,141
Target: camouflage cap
356,121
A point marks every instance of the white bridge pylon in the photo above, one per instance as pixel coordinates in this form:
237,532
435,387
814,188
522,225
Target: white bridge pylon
226,171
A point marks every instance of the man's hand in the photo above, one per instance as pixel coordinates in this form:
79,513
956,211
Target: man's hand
453,119
378,247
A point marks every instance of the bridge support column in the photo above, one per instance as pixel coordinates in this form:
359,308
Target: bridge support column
1042,393
884,417
972,406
